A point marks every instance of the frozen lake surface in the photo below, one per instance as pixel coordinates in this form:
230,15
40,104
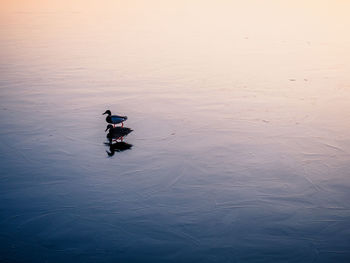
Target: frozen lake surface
241,144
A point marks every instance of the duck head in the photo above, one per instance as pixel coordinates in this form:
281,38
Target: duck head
107,112
109,126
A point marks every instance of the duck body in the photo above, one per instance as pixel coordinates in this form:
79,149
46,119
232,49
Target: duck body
117,132
114,119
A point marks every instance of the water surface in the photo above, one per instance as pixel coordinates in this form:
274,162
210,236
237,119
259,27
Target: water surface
241,119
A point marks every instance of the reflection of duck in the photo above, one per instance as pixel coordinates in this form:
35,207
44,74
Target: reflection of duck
116,132
114,119
118,147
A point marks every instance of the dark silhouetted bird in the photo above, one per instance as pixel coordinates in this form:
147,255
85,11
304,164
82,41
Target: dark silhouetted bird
115,133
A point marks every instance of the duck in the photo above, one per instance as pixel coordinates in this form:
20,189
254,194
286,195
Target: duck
116,132
114,119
